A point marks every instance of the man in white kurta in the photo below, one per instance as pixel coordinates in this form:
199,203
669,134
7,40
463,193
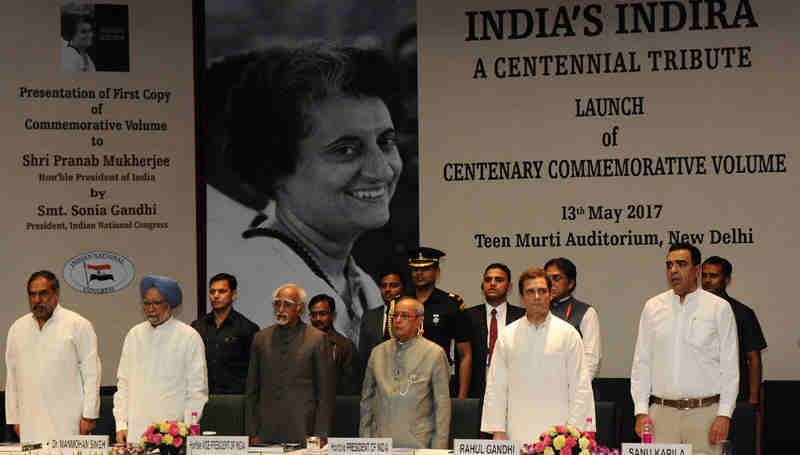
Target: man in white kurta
162,369
537,379
52,367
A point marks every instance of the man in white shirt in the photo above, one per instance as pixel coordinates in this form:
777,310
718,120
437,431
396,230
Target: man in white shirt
52,367
537,379
564,276
162,369
488,320
686,359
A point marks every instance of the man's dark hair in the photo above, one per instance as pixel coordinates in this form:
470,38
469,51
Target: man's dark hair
46,274
323,298
727,267
269,110
501,266
567,268
392,271
224,277
696,257
531,274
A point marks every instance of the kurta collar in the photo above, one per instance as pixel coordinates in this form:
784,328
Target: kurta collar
559,302
404,345
53,317
689,300
168,323
282,329
543,325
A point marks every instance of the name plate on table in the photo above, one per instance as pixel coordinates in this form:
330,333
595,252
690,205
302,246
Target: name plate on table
485,447
656,449
216,445
359,446
85,445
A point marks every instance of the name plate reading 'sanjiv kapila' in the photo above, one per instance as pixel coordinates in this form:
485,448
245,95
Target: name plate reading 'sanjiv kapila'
216,445
83,445
359,446
656,449
485,447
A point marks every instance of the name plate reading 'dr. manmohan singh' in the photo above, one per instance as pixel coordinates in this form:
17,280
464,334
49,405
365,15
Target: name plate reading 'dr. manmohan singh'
83,445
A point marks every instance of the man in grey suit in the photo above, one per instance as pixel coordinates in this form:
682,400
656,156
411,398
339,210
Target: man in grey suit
291,382
406,394
488,320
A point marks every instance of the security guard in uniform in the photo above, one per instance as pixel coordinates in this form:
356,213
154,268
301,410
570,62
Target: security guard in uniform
445,320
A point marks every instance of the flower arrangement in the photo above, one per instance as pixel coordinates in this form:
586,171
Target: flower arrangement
126,449
168,437
566,440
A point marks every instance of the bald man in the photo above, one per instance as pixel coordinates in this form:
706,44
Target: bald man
406,393
291,382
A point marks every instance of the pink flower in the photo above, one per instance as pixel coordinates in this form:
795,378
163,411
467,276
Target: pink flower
547,441
150,429
571,442
562,429
565,451
173,429
156,438
177,441
542,436
539,447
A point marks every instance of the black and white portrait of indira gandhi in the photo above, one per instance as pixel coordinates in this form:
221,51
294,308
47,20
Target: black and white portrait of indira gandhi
311,132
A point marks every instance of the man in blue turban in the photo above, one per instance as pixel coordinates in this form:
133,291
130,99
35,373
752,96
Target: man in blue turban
162,369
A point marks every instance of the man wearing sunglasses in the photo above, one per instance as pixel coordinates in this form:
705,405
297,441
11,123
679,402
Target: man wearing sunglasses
291,382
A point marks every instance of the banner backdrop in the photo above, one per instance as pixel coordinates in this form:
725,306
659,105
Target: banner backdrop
338,249
605,131
98,167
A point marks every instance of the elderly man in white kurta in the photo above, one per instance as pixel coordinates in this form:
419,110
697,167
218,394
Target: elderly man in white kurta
52,367
537,379
162,370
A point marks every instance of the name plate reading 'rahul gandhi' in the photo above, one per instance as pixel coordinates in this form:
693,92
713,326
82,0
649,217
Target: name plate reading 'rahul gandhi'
656,449
85,445
485,447
216,445
359,446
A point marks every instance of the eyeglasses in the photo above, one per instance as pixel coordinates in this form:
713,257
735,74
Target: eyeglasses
403,316
146,304
281,304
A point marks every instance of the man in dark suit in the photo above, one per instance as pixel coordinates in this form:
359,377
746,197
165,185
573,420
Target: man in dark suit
291,383
375,324
497,313
322,312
